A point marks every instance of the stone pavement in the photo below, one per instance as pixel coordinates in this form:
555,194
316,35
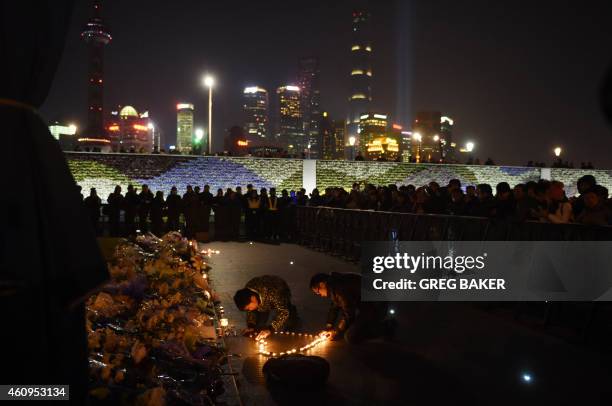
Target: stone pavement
443,352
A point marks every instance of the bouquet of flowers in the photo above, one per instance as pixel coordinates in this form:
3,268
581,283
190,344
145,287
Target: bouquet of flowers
151,332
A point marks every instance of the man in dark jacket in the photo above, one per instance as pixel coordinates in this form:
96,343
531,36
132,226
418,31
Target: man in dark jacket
505,205
173,202
485,205
584,185
206,198
191,204
93,204
130,201
348,316
272,215
115,204
145,199
595,212
259,297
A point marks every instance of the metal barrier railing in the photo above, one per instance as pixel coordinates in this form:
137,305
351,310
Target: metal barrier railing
342,231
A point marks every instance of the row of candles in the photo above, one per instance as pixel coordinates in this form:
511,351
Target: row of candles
262,344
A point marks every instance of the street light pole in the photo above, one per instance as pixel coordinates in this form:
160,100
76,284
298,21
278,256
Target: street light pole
209,82
210,90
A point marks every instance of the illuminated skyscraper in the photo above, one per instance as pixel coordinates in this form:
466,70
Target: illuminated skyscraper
406,145
96,36
184,128
332,137
256,111
446,139
291,133
310,103
372,127
328,146
361,72
427,128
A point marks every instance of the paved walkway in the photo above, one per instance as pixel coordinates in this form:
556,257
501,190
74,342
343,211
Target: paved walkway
443,352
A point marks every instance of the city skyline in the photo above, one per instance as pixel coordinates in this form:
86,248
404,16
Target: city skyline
482,96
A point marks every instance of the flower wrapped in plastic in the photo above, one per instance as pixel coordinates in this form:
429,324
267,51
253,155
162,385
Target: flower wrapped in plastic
152,324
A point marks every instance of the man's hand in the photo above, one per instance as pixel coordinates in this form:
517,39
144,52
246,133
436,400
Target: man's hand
329,334
263,334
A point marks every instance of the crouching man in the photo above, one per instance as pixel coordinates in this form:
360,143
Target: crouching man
258,298
348,316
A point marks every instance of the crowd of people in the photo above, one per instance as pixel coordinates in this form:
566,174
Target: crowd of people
544,201
268,216
559,163
266,213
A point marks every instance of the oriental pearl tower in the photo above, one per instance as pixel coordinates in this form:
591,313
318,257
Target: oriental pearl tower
96,36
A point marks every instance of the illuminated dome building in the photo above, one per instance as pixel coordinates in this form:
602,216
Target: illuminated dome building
129,131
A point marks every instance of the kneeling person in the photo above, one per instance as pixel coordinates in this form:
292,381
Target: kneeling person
348,315
259,297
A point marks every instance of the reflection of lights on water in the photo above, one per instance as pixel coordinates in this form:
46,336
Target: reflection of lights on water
318,339
527,378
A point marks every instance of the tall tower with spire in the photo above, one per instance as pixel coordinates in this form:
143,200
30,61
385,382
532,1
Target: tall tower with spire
96,36
361,72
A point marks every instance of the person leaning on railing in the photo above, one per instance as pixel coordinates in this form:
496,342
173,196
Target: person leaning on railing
595,211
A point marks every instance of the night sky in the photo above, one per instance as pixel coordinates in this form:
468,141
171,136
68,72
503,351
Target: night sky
517,78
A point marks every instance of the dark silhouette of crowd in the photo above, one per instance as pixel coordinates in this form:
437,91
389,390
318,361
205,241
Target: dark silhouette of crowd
559,163
267,215
543,201
270,217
